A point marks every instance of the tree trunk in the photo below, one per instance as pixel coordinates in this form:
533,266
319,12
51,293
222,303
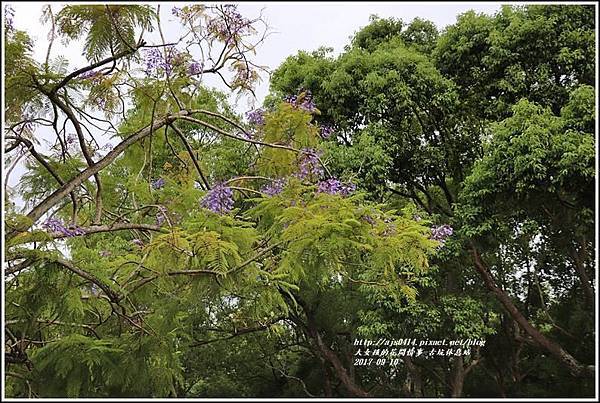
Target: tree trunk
416,381
575,368
586,285
326,379
457,377
333,359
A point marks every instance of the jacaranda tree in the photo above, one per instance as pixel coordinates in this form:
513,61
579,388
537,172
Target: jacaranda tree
134,258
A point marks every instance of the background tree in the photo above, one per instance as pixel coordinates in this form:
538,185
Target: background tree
422,131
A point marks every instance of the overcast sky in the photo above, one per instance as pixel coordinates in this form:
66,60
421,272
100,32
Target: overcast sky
295,26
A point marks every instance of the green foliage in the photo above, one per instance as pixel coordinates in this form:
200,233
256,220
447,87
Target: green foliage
538,52
18,66
537,163
107,28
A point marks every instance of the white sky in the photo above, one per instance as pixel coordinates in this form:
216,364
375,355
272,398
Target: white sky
295,26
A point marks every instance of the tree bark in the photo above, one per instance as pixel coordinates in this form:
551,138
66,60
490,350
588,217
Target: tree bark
457,377
575,368
326,379
416,381
586,285
337,365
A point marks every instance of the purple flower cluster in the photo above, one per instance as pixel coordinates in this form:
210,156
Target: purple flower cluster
176,11
161,216
71,138
303,101
326,131
219,199
100,102
256,117
159,183
100,151
229,24
137,242
309,163
274,188
368,219
195,68
441,232
54,225
155,61
90,74
335,187
390,229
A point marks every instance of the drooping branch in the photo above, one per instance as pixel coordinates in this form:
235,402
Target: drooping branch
247,140
239,332
575,367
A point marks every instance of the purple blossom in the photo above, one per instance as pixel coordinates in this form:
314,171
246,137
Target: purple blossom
308,105
390,229
176,11
303,101
90,74
55,225
159,183
274,188
290,99
195,68
229,24
161,216
368,219
101,102
137,242
71,138
335,187
157,61
441,232
219,199
256,117
326,131
309,163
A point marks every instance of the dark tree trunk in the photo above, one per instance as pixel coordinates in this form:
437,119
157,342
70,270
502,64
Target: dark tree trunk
415,388
335,362
326,379
457,377
586,285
